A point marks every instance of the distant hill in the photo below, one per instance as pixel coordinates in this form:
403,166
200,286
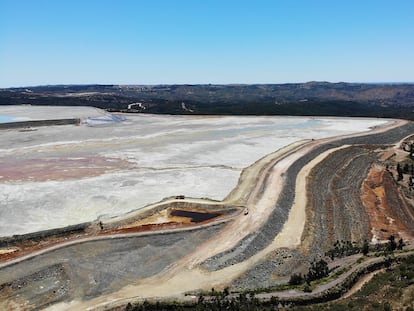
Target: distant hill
312,98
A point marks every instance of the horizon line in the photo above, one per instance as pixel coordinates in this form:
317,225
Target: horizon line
200,84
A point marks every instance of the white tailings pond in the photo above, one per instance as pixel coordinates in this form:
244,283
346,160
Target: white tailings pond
61,175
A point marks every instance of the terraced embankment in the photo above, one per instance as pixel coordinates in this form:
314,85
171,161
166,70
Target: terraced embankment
334,193
243,251
335,210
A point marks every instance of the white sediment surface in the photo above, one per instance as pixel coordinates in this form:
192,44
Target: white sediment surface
146,158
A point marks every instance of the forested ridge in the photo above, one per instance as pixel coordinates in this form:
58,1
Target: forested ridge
310,99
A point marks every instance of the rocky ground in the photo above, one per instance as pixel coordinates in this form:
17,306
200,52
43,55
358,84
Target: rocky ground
93,268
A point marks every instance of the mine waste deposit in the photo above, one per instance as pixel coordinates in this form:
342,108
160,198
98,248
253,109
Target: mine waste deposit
100,209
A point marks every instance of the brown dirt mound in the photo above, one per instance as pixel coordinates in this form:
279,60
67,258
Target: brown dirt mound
388,211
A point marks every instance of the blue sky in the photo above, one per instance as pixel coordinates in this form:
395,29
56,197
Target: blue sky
205,41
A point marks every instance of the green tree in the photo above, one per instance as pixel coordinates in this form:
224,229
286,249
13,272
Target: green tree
226,292
412,151
365,248
296,279
400,172
401,244
318,270
392,245
274,301
405,168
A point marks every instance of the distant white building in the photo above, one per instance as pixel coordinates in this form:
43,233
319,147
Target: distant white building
140,105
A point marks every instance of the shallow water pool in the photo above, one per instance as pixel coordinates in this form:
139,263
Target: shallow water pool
6,119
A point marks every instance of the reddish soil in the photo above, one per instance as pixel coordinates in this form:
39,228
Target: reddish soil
149,227
58,168
32,246
388,212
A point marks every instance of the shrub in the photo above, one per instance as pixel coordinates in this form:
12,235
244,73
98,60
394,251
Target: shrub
318,270
296,279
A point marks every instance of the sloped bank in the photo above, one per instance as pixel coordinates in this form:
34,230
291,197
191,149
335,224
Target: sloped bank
45,234
262,238
94,268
